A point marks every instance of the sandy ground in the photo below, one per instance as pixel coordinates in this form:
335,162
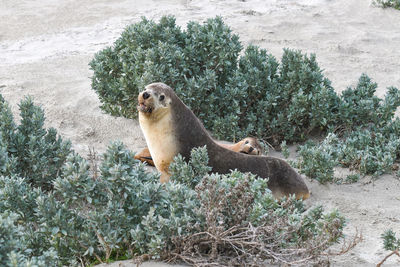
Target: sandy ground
45,48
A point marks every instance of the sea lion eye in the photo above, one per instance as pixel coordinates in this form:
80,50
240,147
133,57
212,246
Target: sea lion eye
162,97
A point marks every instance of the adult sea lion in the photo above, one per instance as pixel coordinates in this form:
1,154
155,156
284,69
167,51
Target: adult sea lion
171,128
248,145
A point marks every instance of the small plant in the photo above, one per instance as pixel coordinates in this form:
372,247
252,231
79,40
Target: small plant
285,150
388,3
390,243
318,161
352,178
194,170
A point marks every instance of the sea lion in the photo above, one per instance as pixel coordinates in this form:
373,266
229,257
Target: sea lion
248,145
170,128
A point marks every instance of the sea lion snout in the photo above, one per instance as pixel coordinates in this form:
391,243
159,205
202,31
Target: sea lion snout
250,146
145,103
145,95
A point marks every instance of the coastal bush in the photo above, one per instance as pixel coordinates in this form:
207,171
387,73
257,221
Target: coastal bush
122,210
110,207
253,94
234,96
28,150
235,211
366,137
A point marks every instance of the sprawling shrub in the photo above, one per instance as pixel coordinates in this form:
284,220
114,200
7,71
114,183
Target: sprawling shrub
233,219
21,242
253,94
360,107
366,137
82,210
234,96
192,172
200,59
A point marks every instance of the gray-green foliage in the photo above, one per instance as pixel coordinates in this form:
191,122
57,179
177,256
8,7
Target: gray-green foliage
22,242
234,96
390,241
365,138
99,210
252,94
365,151
317,161
28,150
388,3
126,210
231,203
193,171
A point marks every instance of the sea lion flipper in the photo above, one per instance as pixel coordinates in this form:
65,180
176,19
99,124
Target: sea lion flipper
145,156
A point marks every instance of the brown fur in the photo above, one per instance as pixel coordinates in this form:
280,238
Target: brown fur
249,145
171,128
145,156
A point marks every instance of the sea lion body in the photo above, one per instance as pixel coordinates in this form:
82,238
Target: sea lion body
161,139
171,128
248,145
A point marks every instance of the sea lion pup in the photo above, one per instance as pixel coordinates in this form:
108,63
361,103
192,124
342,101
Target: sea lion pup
248,145
170,128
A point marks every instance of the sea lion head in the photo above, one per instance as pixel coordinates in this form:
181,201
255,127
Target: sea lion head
155,100
250,146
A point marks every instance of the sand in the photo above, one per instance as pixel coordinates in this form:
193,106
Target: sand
45,48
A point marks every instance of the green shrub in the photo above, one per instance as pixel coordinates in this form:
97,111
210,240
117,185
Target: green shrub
318,161
252,94
366,152
234,96
28,150
21,244
57,208
237,210
360,107
366,137
390,242
9,236
388,3
194,170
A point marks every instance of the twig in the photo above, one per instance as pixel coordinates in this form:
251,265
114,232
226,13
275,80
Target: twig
347,247
388,256
93,158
